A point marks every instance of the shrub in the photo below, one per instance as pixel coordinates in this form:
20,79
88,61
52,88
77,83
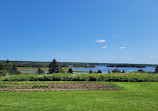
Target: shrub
40,86
53,86
116,71
70,70
99,71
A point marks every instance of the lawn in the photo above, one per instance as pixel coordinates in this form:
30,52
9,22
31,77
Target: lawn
135,96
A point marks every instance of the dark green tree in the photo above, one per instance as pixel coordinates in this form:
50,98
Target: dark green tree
156,69
1,66
99,71
9,67
90,71
141,71
40,71
116,71
54,67
70,70
123,71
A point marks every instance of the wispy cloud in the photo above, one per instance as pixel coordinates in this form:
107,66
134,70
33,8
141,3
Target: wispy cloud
100,40
121,48
41,32
104,47
115,36
152,56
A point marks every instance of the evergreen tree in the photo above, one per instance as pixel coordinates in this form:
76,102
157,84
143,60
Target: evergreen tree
9,67
99,71
156,69
123,71
40,71
70,70
1,66
90,71
54,67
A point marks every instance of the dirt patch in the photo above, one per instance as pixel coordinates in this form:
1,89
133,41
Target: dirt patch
59,87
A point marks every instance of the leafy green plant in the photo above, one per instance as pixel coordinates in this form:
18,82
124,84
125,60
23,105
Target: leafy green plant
40,86
53,86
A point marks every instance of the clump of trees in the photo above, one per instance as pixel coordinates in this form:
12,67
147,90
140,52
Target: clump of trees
54,67
156,69
8,68
116,71
70,70
40,71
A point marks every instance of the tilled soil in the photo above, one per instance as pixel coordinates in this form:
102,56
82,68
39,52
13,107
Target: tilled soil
61,87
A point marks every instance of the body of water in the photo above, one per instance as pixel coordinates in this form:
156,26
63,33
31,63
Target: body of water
104,69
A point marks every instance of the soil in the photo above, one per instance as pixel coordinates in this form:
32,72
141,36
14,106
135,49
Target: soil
61,87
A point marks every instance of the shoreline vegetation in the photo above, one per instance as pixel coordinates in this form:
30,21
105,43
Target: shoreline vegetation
56,72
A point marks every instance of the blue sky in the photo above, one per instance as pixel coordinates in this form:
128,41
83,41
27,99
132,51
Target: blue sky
112,31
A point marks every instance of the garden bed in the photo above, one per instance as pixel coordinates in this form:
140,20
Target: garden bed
28,87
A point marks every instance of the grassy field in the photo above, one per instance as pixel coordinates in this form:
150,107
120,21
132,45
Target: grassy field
135,96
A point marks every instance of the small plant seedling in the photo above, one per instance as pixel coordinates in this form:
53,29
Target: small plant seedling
53,86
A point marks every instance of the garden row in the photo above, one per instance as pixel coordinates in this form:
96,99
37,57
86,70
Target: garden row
112,77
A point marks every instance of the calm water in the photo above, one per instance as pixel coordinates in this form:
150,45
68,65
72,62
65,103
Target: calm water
104,69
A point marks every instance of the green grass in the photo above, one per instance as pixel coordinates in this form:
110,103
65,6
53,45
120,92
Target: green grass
135,96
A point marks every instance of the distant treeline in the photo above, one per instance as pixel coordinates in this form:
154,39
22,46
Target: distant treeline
127,65
73,64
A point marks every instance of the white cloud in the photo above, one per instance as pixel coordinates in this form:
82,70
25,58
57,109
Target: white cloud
100,40
121,47
41,32
104,47
153,56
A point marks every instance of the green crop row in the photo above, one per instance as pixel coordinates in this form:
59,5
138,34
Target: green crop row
119,77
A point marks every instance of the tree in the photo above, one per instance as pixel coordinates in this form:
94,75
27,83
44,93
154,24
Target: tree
1,66
141,71
123,71
90,71
40,71
9,67
156,69
116,71
109,71
70,70
99,71
54,67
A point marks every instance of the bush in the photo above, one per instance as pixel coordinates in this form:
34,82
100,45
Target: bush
53,86
116,71
99,71
70,70
3,73
40,86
